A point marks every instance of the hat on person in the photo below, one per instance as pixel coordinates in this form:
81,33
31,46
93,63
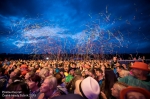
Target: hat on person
23,66
140,65
23,73
88,88
143,91
77,72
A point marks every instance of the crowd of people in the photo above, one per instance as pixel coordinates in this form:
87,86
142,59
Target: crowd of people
74,79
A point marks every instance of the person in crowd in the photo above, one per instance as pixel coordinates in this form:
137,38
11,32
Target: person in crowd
83,74
49,88
3,81
121,71
61,86
22,91
116,89
15,73
6,61
114,61
28,75
66,70
72,65
70,76
77,72
44,72
71,86
134,93
34,84
86,71
89,83
100,76
125,66
92,73
24,70
37,66
81,91
61,71
109,80
139,75
9,82
51,71
14,79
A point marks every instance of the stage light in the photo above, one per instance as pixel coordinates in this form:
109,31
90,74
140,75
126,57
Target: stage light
47,58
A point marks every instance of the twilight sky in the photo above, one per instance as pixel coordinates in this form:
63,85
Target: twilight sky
74,26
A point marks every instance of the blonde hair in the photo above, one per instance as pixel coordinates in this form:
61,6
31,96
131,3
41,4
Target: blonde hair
52,82
121,85
43,72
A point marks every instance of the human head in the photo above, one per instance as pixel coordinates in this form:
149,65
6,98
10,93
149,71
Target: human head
117,87
66,68
51,71
44,73
20,87
139,69
134,93
71,84
23,67
92,73
28,75
71,71
77,72
61,71
15,73
87,88
98,72
83,73
114,58
119,68
49,85
59,78
34,82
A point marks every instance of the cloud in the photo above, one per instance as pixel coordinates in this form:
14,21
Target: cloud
20,44
74,24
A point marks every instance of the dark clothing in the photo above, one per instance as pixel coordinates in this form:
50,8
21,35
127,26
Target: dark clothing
113,63
35,94
69,96
3,84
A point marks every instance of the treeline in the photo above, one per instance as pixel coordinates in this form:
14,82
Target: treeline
72,56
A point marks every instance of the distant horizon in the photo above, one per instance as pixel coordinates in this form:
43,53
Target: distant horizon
72,53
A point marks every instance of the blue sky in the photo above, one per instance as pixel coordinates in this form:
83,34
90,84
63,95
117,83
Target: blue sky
74,26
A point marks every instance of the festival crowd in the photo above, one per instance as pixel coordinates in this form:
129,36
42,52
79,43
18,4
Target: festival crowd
74,79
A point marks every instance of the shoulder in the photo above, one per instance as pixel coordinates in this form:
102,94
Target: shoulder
41,96
69,96
123,79
57,93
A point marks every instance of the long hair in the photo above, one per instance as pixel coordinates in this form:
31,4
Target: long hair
43,72
19,87
71,85
110,79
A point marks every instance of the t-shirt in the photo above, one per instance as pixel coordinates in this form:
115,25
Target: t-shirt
132,81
